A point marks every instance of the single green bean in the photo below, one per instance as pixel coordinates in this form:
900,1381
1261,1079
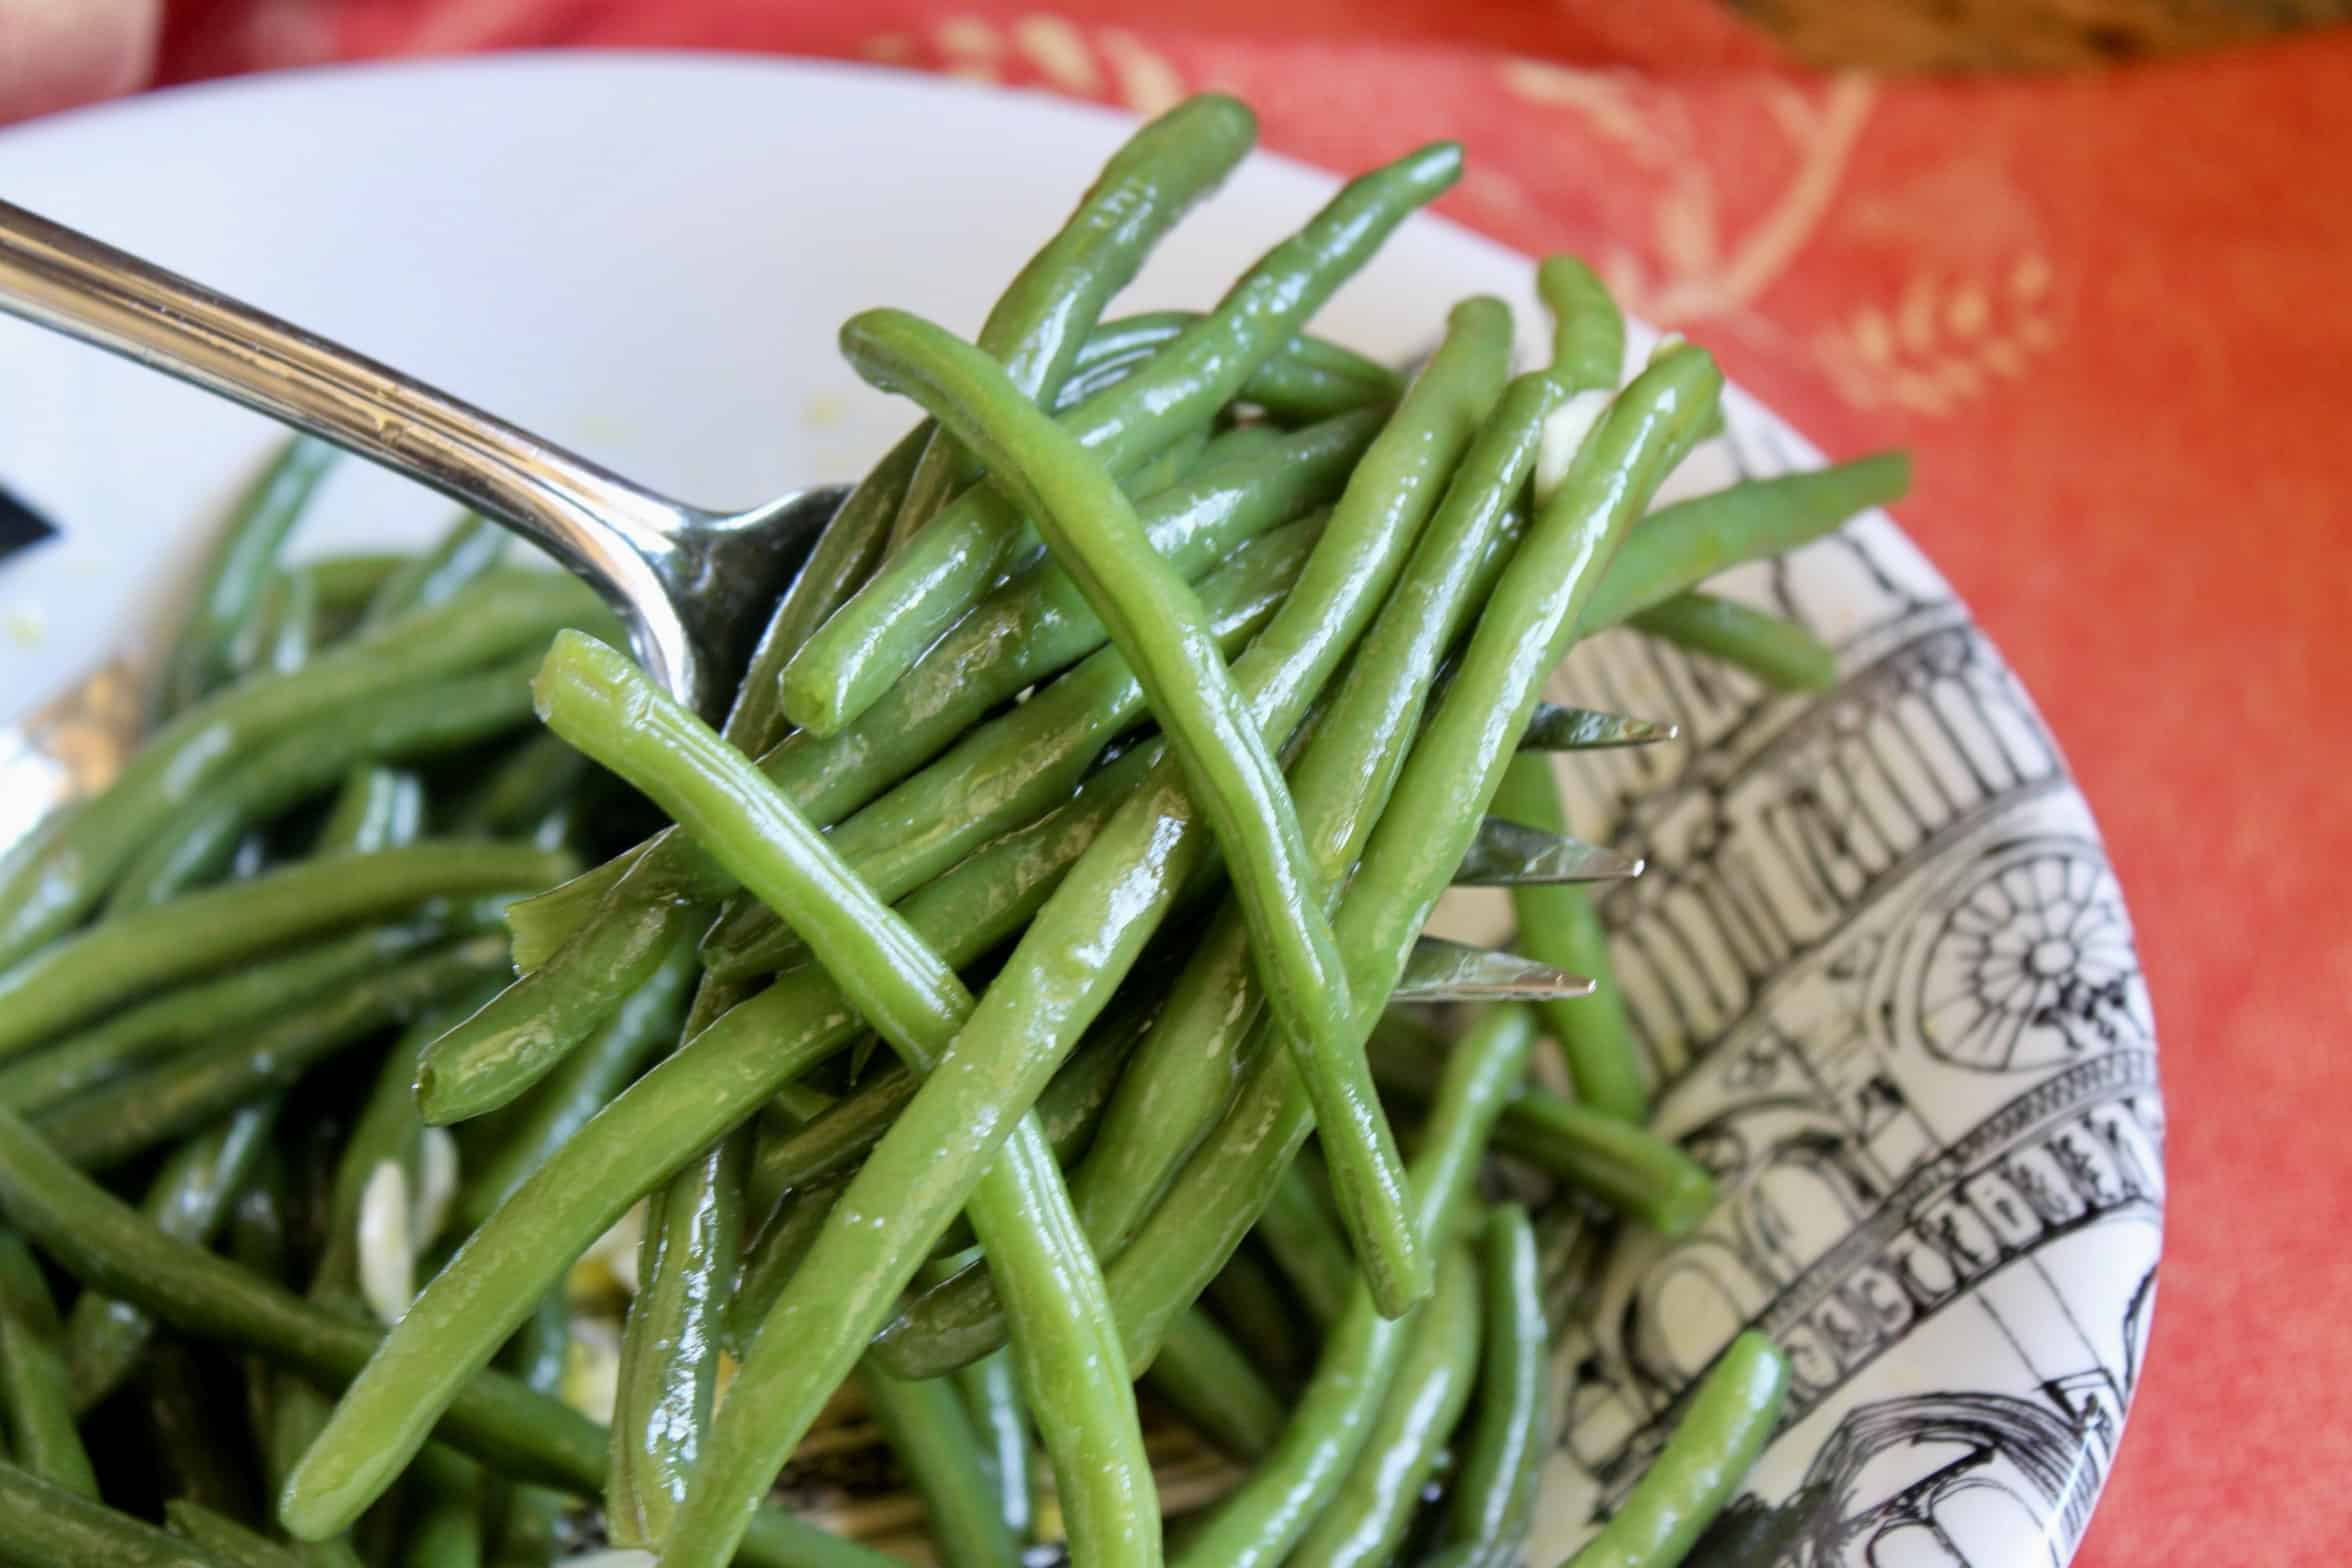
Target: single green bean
493,1417
223,1536
118,1120
1588,330
1492,1494
199,1013
1159,626
677,1109
36,1393
1040,322
1299,1233
929,1430
377,809
1367,1519
45,891
466,549
1271,1512
1775,650
604,704
1012,769
1560,926
189,1198
1714,1445
447,1529
1208,1380
242,563
993,1392
1250,1301
880,632
43,1525
347,582
430,719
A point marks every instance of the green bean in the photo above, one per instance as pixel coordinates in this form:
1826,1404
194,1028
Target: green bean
430,719
466,549
1249,1301
1306,380
528,1533
199,1013
1367,1518
1159,626
577,1090
1588,331
216,1532
1560,926
241,564
46,891
447,1531
1031,627
1299,1233
1011,770
683,1103
284,627
1208,1381
1775,650
1272,1510
1155,845
377,808
601,702
1714,1445
776,1254
118,1120
879,633
43,1525
347,582
929,1430
189,1198
1680,546
493,1417
994,1395
1492,1494
35,1391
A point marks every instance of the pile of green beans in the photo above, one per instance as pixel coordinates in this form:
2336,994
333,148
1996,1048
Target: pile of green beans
1098,770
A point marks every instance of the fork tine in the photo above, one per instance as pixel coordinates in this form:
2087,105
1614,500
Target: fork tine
1559,727
1443,971
1511,854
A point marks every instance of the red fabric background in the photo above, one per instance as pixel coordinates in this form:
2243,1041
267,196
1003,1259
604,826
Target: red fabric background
2109,315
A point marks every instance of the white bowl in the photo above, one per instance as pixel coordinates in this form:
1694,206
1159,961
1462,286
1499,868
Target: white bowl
1878,963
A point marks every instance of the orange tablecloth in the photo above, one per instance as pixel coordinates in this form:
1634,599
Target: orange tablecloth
2111,314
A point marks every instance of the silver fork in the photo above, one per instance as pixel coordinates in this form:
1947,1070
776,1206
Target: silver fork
693,586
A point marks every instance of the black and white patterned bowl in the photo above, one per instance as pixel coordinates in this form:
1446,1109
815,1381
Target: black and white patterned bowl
1878,965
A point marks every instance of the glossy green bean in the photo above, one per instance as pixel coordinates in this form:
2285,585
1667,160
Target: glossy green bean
1588,330
466,549
1205,1377
601,702
710,1085
993,1392
1374,1506
1299,1233
427,720
36,1393
223,1536
1109,905
69,871
1713,1446
1013,769
1492,1494
242,563
1271,1512
196,1014
881,631
1159,626
586,1082
1307,379
493,1417
43,1525
1039,323
1559,925
120,1119
1775,650
376,809
929,1430
189,1198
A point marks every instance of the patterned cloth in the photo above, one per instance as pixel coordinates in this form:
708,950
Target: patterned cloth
2107,313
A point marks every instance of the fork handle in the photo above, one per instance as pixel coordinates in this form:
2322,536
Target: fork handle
617,536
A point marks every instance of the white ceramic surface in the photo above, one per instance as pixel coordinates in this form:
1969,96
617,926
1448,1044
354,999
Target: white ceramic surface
1878,964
